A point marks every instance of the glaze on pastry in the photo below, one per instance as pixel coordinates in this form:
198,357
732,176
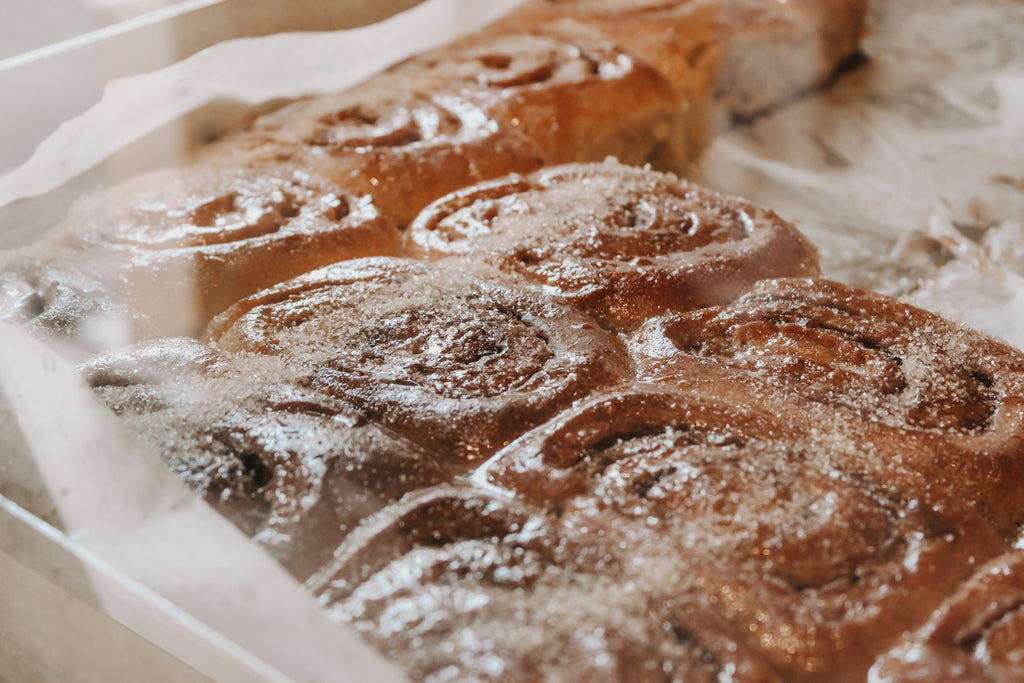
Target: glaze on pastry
976,636
578,100
567,426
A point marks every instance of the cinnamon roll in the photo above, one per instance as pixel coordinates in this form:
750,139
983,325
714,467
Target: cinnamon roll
288,467
65,306
181,245
622,243
402,148
749,55
578,100
452,358
734,520
460,584
912,388
977,636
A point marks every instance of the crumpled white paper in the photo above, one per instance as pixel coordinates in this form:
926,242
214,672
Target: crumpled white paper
908,173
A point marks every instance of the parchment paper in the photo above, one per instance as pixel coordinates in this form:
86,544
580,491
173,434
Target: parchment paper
908,172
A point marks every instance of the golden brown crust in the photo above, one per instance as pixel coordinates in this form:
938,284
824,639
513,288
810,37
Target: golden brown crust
804,557
977,636
578,100
402,148
914,389
622,243
748,55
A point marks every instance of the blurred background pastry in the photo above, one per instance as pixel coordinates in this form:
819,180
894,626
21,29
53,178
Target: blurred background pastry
403,148
177,246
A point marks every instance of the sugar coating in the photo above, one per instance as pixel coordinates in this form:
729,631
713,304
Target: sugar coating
622,243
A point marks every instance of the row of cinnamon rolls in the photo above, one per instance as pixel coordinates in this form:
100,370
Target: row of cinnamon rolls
519,421
598,420
340,175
